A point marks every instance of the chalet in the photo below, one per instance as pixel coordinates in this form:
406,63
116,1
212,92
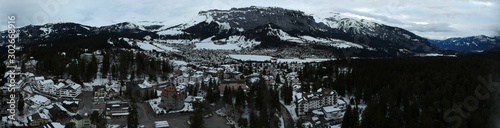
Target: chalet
99,93
37,119
52,125
71,105
182,79
197,77
57,112
269,79
112,92
82,121
293,78
30,65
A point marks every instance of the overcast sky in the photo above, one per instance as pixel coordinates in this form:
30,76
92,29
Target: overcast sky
435,19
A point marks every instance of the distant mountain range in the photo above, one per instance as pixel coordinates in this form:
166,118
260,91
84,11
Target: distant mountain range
472,43
256,28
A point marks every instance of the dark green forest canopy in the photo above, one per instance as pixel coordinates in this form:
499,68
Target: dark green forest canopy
416,92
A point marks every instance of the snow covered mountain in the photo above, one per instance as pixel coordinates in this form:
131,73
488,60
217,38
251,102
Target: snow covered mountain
472,43
249,28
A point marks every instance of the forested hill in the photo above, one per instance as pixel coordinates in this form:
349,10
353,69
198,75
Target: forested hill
418,92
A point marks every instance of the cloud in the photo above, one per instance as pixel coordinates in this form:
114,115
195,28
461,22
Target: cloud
431,27
459,17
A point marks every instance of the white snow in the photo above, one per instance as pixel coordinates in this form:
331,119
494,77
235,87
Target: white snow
313,39
176,41
170,32
39,99
240,41
179,63
165,48
212,46
224,25
188,107
250,57
208,44
268,58
147,46
284,36
435,54
282,122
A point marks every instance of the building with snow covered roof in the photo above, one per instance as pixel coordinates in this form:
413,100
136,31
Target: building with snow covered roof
141,90
316,100
332,112
72,90
232,84
39,100
183,79
82,121
53,125
57,112
30,65
37,119
71,105
172,99
45,85
62,89
117,110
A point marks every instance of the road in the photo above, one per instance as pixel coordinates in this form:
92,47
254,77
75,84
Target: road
176,120
287,118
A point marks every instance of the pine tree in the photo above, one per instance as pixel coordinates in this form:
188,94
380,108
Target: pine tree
278,79
114,74
70,125
355,117
254,120
228,98
243,122
240,97
197,118
132,118
105,66
20,104
94,117
347,122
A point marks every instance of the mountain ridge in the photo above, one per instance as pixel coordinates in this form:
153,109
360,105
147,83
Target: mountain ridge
263,27
469,43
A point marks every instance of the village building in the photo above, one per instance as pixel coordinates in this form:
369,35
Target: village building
37,119
141,90
117,110
171,99
316,100
99,93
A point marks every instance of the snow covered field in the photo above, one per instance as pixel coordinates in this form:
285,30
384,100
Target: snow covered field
268,58
212,46
150,45
188,107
